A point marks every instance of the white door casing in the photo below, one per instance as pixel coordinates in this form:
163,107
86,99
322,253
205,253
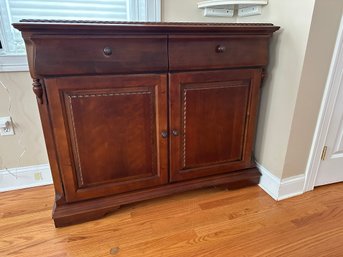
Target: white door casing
329,131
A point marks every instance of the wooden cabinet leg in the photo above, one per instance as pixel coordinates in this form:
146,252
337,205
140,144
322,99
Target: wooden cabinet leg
63,218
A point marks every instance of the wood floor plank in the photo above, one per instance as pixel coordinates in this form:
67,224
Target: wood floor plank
208,222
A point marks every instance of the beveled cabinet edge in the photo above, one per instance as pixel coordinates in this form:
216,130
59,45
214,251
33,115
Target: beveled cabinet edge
99,27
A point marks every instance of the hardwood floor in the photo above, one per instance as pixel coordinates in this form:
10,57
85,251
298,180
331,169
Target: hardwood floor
208,222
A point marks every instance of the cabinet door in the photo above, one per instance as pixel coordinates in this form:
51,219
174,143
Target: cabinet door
212,122
107,133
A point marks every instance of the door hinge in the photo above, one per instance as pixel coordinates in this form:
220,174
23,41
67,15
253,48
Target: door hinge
324,153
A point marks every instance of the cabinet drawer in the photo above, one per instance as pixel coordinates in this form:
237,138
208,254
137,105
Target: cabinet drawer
203,52
100,54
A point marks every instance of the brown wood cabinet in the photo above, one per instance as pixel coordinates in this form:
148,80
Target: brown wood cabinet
133,111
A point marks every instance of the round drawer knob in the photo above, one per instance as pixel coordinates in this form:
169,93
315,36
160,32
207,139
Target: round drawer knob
175,132
107,51
220,49
164,134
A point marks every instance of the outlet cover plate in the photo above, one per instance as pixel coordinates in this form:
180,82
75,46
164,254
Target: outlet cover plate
6,130
244,10
216,12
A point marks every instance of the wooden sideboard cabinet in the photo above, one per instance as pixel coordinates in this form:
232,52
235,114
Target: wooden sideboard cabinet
134,111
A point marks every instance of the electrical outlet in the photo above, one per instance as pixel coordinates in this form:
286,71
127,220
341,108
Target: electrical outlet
38,176
6,126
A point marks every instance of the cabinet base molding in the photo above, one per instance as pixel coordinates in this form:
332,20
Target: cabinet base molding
74,213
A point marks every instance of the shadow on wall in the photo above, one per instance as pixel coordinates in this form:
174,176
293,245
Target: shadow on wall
266,93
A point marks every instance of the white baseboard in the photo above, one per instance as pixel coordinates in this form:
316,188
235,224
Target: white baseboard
291,187
269,182
281,189
39,175
24,177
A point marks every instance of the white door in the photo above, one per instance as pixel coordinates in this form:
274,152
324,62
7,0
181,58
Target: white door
331,164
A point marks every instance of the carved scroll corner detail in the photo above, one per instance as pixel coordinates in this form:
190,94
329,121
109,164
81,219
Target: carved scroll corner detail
38,90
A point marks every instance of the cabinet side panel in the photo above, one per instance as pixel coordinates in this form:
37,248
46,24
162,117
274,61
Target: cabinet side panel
51,146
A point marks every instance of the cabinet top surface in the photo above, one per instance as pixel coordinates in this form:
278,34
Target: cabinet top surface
28,25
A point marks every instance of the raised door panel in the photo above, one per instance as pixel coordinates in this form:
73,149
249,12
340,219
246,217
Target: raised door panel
107,132
212,118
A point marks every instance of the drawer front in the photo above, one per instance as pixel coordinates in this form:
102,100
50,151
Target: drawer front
58,55
213,52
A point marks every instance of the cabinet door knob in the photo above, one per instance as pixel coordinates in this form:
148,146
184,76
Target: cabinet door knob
107,51
164,134
175,132
220,49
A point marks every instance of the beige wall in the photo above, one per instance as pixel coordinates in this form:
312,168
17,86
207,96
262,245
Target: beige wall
321,43
27,125
281,87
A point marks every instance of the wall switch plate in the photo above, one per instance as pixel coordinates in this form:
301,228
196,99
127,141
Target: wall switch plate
6,126
249,10
216,12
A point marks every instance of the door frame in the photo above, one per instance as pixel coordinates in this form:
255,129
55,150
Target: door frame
326,110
